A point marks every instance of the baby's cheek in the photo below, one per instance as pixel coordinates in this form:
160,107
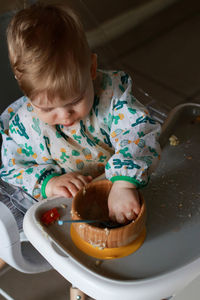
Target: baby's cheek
46,118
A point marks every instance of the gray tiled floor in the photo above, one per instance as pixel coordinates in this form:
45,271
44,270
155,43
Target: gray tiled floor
166,65
45,286
173,59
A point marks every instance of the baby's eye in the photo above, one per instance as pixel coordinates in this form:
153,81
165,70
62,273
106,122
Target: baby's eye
46,109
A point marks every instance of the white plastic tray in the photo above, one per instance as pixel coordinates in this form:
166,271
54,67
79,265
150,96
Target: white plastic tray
169,258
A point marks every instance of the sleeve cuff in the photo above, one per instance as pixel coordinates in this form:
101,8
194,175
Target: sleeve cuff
44,183
129,179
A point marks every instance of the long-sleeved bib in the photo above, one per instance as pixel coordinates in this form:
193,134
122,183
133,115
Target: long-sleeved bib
118,137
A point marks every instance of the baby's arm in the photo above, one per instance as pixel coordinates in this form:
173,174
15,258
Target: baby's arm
23,162
22,170
134,136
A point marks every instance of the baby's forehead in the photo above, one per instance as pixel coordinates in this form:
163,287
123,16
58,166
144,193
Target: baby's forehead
43,100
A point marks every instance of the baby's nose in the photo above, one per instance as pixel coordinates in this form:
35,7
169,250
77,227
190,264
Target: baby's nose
66,112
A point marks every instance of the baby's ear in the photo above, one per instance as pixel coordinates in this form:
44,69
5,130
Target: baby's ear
93,68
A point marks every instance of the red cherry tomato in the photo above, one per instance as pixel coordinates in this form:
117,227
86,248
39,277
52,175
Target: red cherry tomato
50,216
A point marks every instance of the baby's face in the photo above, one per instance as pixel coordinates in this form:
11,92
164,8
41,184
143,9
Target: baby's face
65,112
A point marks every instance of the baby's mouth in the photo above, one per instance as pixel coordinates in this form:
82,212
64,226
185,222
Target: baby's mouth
68,124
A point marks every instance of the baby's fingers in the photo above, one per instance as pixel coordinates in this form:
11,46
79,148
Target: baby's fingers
72,188
131,215
119,218
62,191
84,179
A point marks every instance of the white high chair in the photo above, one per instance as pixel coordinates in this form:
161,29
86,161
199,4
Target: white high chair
15,249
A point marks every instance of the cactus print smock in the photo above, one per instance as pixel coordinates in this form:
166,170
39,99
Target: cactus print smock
118,137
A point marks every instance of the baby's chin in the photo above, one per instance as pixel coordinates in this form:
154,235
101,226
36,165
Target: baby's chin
69,125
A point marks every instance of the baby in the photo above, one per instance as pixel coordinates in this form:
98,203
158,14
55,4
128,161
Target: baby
75,122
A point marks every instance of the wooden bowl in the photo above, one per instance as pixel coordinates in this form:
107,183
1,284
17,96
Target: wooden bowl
90,203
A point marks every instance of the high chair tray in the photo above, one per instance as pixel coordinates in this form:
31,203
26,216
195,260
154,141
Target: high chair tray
170,255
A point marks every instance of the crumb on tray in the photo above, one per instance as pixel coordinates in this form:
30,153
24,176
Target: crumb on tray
173,140
63,205
98,263
189,157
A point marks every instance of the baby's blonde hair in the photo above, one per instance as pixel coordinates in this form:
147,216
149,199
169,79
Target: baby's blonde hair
48,51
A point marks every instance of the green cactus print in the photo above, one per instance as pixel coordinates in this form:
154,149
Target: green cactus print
119,105
96,140
140,134
95,105
129,164
11,115
141,143
107,139
36,126
116,119
28,151
147,159
21,129
60,133
12,129
108,166
29,171
91,128
7,173
47,143
123,152
108,120
75,153
77,138
122,88
102,158
42,147
64,157
132,111
124,78
126,132
142,119
83,133
153,151
38,176
24,188
5,150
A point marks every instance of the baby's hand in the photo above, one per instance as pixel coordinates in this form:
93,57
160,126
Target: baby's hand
66,185
123,202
